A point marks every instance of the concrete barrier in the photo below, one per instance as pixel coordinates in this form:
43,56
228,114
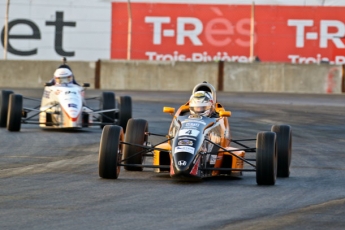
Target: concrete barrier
275,77
33,74
154,75
181,76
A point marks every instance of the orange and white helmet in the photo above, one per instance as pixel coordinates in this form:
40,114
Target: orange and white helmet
201,103
63,76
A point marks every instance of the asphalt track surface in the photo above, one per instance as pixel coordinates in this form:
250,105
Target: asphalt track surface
49,179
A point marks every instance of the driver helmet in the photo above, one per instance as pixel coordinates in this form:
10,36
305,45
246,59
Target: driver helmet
201,103
63,76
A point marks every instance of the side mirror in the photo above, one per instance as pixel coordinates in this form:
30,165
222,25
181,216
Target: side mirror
168,110
48,84
225,114
86,85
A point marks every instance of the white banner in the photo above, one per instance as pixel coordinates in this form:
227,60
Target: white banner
49,30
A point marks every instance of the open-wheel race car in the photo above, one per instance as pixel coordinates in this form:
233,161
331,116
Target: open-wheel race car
196,147
63,106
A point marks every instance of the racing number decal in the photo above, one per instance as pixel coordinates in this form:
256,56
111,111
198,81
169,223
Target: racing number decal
189,132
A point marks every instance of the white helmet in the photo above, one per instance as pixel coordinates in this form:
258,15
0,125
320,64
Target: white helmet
63,75
201,103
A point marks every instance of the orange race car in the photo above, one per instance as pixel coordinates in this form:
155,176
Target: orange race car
198,145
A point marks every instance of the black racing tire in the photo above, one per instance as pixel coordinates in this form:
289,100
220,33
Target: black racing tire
85,119
5,96
125,113
14,115
110,152
284,148
135,134
266,158
107,101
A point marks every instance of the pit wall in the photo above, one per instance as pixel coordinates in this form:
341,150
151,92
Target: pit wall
181,76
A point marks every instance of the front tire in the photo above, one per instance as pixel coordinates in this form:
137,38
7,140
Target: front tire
266,158
5,96
125,112
135,134
284,143
110,152
14,116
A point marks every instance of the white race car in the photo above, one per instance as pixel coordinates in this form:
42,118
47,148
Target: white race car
63,106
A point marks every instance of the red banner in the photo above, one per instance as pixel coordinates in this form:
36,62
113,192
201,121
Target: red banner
190,32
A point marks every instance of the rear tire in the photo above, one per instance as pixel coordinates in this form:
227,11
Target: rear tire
125,112
110,152
85,119
266,158
284,143
14,116
5,96
135,134
107,102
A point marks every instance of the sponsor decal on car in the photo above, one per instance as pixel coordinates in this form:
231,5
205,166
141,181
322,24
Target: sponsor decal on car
185,142
213,159
186,137
191,125
182,163
193,121
46,94
71,92
72,106
186,149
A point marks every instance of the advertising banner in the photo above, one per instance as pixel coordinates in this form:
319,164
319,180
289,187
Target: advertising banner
309,31
192,32
50,30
